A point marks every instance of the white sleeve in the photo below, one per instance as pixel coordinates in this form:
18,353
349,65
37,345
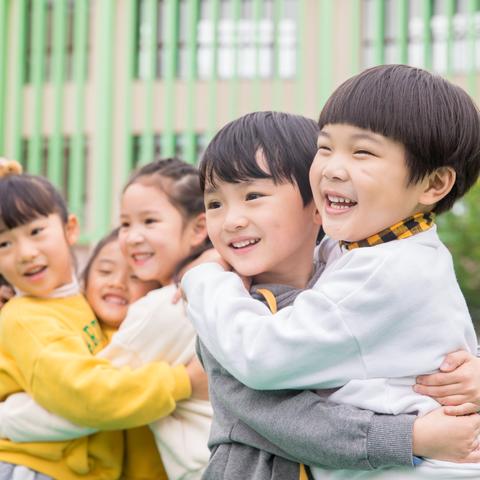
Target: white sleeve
368,317
155,329
23,420
266,351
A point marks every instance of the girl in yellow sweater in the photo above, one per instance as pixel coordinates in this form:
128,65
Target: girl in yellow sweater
48,334
110,287
162,227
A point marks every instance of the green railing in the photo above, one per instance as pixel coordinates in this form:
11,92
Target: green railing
91,88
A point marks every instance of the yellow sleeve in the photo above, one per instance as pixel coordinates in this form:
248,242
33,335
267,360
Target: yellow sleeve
62,376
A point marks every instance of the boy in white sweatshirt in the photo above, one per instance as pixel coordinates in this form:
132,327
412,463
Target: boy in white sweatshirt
397,145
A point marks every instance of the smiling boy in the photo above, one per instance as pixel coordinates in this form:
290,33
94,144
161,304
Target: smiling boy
397,145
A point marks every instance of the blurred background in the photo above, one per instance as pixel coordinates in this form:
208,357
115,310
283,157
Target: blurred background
90,89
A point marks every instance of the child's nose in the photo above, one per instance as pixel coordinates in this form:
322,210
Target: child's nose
134,236
27,251
235,220
119,280
335,169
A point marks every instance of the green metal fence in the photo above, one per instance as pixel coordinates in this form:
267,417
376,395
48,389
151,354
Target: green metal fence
91,88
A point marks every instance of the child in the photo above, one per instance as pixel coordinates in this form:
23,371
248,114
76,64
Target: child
110,287
53,361
260,218
156,238
396,145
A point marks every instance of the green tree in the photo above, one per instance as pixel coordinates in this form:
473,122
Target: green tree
460,230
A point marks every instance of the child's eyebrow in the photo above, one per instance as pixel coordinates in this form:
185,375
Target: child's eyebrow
366,136
209,189
355,136
105,260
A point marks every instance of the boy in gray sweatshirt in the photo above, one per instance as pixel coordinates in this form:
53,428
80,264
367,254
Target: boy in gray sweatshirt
255,177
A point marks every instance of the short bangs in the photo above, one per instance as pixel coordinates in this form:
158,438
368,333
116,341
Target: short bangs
23,198
286,142
436,121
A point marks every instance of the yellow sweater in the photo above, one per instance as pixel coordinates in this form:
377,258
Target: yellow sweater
45,350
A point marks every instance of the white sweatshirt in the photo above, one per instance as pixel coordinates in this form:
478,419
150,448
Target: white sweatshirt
377,317
154,329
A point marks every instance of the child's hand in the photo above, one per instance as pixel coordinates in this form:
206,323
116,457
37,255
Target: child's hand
198,379
457,385
6,293
444,437
208,256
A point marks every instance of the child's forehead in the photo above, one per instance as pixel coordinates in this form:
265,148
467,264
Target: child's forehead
354,133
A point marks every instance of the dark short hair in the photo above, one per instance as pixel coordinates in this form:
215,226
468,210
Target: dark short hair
23,198
287,142
437,122
109,238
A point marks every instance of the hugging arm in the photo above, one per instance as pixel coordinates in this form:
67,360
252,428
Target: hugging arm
23,420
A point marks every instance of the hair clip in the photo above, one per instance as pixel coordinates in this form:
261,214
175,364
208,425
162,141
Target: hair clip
9,167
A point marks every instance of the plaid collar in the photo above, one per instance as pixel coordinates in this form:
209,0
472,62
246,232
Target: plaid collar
420,222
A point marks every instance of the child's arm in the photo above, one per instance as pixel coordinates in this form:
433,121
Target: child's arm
23,420
324,339
457,385
61,375
154,329
314,431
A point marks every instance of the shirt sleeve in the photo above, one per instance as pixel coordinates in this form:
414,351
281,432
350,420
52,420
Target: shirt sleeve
314,431
266,351
355,323
59,372
23,420
155,329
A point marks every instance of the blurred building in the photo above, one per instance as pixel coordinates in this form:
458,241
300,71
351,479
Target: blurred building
89,89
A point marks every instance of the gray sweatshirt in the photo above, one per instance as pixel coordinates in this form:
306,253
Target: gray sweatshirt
260,435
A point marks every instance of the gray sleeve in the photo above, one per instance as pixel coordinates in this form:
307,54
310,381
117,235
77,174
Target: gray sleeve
316,432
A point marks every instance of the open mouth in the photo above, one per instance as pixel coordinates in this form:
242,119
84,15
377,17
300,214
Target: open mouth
114,299
340,203
141,257
244,243
35,271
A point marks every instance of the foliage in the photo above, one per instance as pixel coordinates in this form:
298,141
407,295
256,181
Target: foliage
460,230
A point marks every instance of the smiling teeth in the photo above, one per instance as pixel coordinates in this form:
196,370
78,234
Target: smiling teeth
334,199
33,271
141,256
115,299
243,244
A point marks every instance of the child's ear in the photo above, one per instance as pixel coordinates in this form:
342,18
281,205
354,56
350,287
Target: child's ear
198,230
317,219
72,229
438,185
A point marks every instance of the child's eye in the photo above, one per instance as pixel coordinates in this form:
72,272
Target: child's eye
134,277
253,196
36,230
124,225
104,271
149,221
4,244
363,152
213,205
323,148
